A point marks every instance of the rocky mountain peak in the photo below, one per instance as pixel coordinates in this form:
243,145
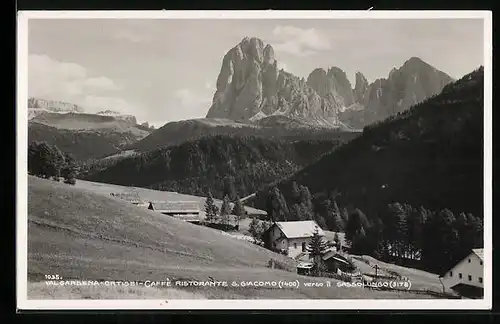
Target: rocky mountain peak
250,87
360,87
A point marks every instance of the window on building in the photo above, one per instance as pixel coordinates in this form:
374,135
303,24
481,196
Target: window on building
460,275
451,273
294,245
303,246
481,262
480,280
469,260
470,278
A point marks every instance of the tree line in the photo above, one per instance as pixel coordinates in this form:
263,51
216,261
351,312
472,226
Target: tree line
48,162
212,163
432,240
216,215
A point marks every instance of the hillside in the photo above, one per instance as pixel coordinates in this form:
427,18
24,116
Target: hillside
430,155
147,195
86,136
82,145
83,235
218,163
175,133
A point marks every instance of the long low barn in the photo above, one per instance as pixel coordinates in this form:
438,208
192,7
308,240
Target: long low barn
188,211
132,197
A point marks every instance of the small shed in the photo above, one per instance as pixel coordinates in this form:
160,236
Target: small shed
305,268
335,261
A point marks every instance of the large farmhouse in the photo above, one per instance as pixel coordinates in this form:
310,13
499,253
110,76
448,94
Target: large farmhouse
291,237
188,211
466,277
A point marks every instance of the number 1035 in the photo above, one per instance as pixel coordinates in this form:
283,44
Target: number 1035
52,277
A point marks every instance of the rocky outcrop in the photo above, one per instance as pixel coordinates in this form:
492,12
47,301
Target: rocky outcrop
333,86
119,116
360,87
412,83
52,105
250,87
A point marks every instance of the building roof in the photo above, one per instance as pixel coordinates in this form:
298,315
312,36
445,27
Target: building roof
466,290
129,196
305,265
329,235
298,229
479,253
175,206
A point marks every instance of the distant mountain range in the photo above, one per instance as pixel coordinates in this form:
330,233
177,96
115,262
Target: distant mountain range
250,87
37,106
85,135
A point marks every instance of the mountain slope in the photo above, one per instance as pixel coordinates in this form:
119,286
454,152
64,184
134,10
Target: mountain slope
84,121
430,155
412,83
82,235
176,133
82,145
208,163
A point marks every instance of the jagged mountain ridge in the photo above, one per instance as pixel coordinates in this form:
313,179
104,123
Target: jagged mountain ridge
250,87
411,84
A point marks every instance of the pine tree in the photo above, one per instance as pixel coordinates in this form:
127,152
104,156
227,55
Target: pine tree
306,202
337,242
255,230
210,209
338,222
295,212
295,192
395,230
317,248
321,221
345,216
225,210
68,172
44,160
277,209
229,188
238,208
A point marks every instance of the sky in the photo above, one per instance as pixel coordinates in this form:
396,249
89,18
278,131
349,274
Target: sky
163,70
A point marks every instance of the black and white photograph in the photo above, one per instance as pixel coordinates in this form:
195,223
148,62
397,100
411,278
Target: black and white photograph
254,159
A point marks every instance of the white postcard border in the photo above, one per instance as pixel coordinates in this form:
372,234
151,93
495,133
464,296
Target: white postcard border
335,304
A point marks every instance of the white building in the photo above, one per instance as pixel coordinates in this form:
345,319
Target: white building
466,277
292,237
